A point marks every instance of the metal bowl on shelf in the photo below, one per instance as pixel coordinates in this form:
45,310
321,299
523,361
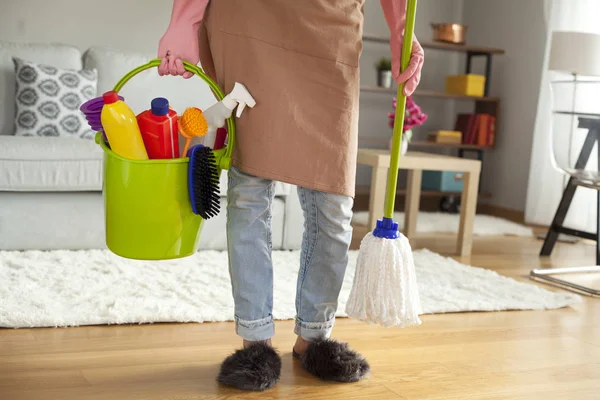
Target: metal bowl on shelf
450,33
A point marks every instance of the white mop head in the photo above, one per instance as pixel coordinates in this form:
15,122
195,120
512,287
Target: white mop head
385,288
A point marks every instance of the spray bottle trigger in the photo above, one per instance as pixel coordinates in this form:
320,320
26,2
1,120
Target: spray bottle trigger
240,109
243,97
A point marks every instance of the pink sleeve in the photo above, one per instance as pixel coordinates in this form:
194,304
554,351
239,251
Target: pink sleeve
188,12
395,15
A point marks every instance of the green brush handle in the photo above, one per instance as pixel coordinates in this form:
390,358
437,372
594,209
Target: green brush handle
390,194
226,160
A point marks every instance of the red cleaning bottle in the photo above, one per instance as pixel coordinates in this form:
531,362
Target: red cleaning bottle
159,130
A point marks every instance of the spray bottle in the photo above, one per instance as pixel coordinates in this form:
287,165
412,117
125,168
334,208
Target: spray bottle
217,114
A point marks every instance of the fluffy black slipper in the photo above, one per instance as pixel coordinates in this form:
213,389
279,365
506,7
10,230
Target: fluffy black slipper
334,361
256,367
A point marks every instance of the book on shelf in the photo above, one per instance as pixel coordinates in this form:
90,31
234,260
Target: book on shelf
477,129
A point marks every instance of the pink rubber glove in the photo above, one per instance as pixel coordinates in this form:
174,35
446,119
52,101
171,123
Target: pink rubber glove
180,41
395,15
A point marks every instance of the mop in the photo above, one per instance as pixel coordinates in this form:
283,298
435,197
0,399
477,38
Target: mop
385,289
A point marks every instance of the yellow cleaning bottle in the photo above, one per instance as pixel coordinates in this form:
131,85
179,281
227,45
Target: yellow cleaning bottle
121,128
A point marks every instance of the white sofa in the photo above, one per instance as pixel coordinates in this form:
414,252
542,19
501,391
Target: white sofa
50,188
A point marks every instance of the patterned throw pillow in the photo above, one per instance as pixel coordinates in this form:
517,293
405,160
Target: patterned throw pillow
48,99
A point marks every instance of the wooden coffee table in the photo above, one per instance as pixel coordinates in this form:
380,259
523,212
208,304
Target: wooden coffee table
415,163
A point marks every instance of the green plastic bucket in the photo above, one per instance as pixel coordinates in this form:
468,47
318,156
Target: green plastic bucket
147,210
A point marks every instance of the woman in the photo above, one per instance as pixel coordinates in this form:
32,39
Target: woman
300,61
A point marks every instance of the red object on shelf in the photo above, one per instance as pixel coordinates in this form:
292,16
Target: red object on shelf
492,132
160,130
478,129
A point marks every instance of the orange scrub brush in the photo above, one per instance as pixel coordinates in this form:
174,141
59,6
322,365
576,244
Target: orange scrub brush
192,124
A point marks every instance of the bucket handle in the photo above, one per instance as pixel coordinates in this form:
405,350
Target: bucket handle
225,161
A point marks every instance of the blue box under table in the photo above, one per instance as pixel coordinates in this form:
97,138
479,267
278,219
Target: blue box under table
444,181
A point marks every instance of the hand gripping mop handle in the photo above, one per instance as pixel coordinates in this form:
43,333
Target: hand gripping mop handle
225,161
390,195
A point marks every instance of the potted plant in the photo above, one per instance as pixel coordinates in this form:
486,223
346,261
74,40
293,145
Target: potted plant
384,72
413,116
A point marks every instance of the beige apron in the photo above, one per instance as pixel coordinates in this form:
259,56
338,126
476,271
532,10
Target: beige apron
299,60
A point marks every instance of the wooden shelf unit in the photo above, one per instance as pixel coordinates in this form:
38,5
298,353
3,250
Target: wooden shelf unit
423,143
440,45
431,93
483,104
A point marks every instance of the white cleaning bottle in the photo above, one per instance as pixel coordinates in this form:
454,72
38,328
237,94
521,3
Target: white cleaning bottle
217,114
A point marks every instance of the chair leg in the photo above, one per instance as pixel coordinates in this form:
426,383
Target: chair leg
561,213
559,218
598,228
546,276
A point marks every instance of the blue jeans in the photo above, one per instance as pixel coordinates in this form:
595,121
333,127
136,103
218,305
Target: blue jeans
324,256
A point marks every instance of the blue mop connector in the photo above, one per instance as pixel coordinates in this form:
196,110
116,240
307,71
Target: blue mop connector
386,228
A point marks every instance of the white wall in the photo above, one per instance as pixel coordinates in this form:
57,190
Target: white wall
122,24
518,27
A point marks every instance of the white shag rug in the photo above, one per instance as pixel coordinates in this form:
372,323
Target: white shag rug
438,222
69,288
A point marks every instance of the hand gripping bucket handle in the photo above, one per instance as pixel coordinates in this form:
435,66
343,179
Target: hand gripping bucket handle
148,215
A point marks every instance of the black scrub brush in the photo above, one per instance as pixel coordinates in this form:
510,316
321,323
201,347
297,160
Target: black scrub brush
203,182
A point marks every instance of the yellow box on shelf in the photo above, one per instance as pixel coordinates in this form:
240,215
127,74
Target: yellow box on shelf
449,133
466,84
445,136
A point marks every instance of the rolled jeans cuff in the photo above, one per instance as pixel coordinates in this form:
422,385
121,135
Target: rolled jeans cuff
311,331
260,329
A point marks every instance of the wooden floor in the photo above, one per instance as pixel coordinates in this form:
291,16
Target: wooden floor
502,355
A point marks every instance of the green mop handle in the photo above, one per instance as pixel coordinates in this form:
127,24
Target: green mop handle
390,195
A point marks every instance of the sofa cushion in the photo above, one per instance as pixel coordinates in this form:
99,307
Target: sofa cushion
138,92
75,221
48,98
49,164
58,55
